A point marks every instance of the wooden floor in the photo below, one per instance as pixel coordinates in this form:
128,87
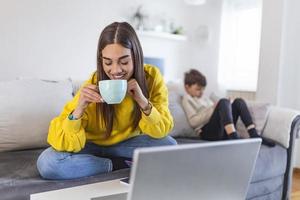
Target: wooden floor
296,185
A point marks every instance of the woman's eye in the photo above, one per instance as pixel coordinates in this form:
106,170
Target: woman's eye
107,63
124,63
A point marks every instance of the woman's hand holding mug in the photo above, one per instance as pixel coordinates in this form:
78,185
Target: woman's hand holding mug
88,94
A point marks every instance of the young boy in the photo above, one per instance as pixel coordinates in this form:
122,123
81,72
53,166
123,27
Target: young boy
215,121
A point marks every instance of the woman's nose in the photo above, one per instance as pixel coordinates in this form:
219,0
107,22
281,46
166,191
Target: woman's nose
116,69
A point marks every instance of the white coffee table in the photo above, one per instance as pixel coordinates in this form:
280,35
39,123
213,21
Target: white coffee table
84,192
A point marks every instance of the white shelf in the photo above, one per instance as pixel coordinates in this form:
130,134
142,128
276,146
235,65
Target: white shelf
162,35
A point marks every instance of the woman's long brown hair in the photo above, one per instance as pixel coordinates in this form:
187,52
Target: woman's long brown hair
120,33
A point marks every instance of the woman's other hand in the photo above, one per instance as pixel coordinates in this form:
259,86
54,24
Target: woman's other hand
88,94
134,90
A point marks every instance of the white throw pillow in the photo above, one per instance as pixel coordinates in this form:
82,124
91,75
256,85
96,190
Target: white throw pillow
279,123
26,108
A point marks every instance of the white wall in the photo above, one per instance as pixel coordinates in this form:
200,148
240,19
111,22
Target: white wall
289,93
50,38
269,64
279,73
204,53
279,60
56,39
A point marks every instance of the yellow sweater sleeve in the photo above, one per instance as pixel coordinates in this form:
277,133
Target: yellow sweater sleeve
65,134
159,122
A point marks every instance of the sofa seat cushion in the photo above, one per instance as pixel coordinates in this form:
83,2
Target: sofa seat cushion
19,176
264,188
271,162
189,140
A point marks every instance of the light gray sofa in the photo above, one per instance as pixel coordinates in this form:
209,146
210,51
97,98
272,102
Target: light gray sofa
25,115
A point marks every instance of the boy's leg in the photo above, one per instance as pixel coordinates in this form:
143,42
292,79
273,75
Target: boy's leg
214,129
240,109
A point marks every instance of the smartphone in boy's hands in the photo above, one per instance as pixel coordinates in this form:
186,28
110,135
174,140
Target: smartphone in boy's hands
214,97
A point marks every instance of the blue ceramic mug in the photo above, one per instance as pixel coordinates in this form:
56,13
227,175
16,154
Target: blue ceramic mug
113,91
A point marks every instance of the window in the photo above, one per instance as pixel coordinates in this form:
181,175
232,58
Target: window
240,44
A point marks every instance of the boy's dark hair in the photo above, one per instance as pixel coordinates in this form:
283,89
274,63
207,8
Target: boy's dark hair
194,77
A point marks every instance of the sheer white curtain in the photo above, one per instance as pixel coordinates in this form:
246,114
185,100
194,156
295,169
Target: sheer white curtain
239,44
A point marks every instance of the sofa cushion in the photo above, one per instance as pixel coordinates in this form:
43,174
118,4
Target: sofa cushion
76,84
182,127
285,117
264,189
19,176
27,107
271,162
259,112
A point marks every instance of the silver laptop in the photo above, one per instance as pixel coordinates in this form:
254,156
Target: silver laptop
212,170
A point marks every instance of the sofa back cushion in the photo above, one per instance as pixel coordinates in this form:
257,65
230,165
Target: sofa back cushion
182,127
26,108
259,112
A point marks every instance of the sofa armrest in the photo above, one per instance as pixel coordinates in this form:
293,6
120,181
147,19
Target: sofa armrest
283,127
279,125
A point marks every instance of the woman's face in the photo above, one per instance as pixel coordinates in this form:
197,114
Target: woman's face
117,62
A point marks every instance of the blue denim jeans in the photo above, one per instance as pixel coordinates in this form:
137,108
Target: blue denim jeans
92,159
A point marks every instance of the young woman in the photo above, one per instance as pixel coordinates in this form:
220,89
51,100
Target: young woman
89,134
215,121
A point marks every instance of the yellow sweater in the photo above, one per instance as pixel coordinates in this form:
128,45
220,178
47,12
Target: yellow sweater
71,135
